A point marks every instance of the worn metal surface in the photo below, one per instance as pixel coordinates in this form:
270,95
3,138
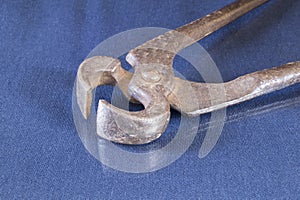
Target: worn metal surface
154,85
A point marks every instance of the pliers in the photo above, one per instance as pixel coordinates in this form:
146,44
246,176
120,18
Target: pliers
154,85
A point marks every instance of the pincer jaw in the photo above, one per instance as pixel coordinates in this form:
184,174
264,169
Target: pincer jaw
126,127
93,72
97,71
139,127
115,124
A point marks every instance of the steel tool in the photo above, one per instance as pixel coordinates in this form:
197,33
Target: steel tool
154,85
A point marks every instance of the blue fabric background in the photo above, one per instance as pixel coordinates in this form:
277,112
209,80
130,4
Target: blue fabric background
41,155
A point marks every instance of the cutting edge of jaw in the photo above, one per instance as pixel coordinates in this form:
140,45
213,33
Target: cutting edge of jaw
114,123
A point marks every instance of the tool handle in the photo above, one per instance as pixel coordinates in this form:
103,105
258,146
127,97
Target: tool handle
193,99
204,26
163,48
266,81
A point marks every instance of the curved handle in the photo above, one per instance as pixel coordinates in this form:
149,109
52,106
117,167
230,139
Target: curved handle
193,99
163,48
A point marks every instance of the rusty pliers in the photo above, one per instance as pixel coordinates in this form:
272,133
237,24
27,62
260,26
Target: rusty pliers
154,85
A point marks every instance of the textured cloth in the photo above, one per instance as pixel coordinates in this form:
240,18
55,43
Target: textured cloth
41,154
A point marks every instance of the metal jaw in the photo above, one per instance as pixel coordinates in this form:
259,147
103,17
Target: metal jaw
154,85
